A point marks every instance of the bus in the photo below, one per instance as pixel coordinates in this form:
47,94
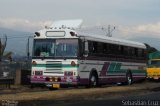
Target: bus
153,69
63,55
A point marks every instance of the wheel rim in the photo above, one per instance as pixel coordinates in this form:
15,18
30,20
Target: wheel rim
93,81
129,79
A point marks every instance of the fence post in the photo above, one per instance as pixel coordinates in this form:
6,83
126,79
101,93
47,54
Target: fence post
18,77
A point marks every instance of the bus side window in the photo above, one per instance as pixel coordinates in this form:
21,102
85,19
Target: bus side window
81,47
109,48
141,53
90,47
125,51
136,52
100,49
94,47
105,49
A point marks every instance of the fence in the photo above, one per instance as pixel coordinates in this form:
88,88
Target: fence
8,72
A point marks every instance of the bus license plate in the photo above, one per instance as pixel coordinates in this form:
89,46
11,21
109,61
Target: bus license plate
56,85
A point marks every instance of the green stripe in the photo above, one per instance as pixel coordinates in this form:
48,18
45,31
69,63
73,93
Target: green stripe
115,68
112,67
118,66
55,65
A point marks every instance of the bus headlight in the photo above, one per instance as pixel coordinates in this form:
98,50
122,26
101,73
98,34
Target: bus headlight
34,62
73,63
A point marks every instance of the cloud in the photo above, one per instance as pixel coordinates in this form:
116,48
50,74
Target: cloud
121,31
23,24
140,30
150,28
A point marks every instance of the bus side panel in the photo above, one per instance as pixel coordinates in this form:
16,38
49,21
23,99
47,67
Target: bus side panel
137,70
110,72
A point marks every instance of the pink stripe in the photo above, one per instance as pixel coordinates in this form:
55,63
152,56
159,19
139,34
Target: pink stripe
104,69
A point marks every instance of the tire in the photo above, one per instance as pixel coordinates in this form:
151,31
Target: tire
93,80
129,79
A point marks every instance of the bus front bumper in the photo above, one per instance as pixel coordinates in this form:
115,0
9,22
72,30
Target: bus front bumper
65,80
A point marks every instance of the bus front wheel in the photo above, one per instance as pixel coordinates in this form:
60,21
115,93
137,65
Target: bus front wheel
93,80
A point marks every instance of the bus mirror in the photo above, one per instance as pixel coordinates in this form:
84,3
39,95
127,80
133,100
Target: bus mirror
86,51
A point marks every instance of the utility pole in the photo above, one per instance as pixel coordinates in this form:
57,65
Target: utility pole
109,30
28,53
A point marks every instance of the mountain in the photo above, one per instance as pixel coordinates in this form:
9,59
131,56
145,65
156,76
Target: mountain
16,42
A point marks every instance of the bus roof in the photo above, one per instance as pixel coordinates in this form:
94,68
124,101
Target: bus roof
65,33
65,27
106,39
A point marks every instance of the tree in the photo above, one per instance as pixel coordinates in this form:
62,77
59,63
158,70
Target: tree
3,44
150,49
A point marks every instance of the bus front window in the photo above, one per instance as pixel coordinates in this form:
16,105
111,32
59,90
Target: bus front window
55,48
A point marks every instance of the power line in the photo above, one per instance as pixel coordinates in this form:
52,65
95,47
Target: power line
17,36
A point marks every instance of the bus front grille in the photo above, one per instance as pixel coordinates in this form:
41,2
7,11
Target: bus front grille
54,67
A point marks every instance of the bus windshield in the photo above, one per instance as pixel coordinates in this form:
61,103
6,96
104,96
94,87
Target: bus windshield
154,63
55,48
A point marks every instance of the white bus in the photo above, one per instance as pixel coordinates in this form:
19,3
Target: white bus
64,56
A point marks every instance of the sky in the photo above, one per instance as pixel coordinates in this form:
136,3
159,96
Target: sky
132,18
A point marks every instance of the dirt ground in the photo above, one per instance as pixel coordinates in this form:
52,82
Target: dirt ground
21,93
